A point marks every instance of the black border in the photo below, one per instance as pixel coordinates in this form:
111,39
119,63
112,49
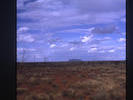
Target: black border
129,48
8,49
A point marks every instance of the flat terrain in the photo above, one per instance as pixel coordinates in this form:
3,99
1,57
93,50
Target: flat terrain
71,81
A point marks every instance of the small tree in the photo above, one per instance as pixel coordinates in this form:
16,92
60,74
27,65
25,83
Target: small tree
45,59
23,58
23,55
34,58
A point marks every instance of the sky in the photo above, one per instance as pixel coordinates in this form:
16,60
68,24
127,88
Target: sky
59,30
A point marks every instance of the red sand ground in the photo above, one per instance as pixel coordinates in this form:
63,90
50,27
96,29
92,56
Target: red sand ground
83,82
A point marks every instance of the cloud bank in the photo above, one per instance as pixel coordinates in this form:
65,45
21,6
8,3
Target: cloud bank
63,29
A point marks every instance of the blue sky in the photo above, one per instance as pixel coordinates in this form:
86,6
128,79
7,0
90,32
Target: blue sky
59,30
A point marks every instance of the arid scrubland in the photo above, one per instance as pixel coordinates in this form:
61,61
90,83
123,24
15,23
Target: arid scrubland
71,81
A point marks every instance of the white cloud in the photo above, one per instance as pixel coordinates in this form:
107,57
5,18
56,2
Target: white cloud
40,1
86,38
78,30
22,29
121,39
71,49
25,38
52,45
102,51
92,50
53,14
111,51
64,45
20,4
90,29
105,29
121,47
99,6
25,49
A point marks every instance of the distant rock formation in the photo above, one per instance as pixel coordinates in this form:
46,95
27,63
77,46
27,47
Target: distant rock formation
75,60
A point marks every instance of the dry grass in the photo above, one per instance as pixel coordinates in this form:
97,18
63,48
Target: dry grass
82,81
21,91
41,96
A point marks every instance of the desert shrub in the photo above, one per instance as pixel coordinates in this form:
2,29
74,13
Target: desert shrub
47,80
20,79
30,97
19,83
80,97
41,96
114,94
102,82
55,86
33,81
83,75
54,95
102,95
69,93
50,82
21,90
87,92
87,84
64,81
68,75
51,97
74,94
117,94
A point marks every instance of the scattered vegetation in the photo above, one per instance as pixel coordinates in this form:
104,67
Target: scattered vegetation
21,91
71,81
